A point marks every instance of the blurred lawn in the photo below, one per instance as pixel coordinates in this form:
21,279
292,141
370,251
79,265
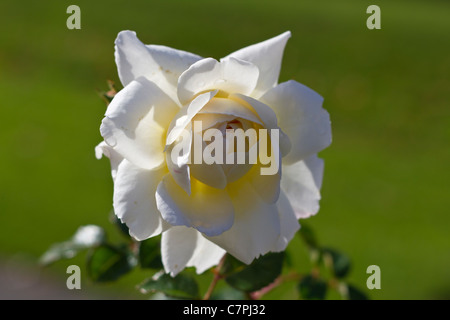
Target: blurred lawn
385,193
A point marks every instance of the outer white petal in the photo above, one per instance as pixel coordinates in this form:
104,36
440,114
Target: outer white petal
206,254
185,247
134,200
256,225
267,56
160,64
301,116
136,121
230,75
115,158
288,223
301,182
207,209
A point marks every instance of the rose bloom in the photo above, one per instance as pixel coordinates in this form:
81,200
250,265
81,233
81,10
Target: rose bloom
205,210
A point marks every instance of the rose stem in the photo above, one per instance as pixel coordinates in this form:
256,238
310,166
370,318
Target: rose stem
217,277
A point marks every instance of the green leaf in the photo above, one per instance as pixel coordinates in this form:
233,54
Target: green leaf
340,263
231,265
108,263
85,237
182,286
355,294
312,288
257,275
149,254
228,293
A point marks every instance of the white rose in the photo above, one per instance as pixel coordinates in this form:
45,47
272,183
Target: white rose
204,210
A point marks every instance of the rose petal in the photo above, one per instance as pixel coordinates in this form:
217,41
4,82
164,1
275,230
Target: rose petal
301,116
234,172
210,120
288,223
230,107
206,254
210,174
134,200
230,75
177,247
185,115
115,158
256,226
185,247
207,209
178,156
264,112
267,56
301,182
268,117
267,186
135,123
160,64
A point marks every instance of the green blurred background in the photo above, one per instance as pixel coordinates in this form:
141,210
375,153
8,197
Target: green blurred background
385,192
